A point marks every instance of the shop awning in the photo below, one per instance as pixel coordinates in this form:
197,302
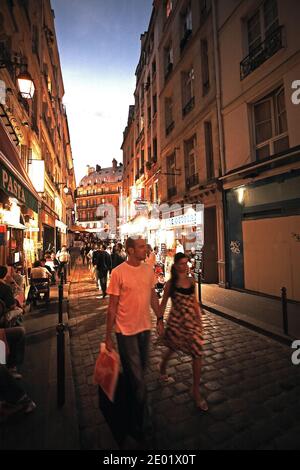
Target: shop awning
14,180
76,228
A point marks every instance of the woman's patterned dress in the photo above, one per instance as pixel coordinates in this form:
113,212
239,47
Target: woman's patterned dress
184,327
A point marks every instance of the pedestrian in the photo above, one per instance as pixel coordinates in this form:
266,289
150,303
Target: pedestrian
82,253
184,326
151,257
63,257
102,263
132,292
118,256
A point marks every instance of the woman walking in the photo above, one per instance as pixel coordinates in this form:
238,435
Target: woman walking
184,327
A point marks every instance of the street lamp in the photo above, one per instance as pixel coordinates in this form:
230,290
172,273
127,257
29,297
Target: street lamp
25,82
66,190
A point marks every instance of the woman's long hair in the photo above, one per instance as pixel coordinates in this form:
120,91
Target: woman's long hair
174,275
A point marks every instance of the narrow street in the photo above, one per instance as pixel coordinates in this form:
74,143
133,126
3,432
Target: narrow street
249,381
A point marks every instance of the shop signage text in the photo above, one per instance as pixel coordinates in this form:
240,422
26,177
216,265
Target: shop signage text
10,184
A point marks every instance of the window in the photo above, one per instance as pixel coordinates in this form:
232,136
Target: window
153,68
168,7
209,150
154,146
192,178
204,67
35,40
186,26
154,104
205,7
264,36
270,122
149,116
168,60
171,176
169,122
188,99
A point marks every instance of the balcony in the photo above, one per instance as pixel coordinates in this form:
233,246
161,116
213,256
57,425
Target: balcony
192,181
169,128
188,107
261,53
185,39
172,192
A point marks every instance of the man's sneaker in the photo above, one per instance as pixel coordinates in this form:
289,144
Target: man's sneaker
15,374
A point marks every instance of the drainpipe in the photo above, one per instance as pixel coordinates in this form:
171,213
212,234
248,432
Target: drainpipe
221,135
218,85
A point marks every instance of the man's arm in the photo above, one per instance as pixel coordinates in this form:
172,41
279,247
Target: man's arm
111,316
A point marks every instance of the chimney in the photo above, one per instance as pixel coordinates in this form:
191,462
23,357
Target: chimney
98,168
114,164
91,170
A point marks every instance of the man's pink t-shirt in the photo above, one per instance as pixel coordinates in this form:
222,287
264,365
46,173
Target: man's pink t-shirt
133,286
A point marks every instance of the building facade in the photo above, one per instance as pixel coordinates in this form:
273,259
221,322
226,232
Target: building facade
98,199
262,144
34,133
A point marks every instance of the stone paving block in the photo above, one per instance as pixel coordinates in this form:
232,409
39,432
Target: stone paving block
240,421
289,440
215,398
212,386
220,432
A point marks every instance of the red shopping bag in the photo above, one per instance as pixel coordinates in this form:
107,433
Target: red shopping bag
106,371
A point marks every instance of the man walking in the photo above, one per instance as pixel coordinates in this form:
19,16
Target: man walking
132,292
102,263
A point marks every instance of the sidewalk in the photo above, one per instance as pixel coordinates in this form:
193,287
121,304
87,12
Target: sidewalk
47,427
262,313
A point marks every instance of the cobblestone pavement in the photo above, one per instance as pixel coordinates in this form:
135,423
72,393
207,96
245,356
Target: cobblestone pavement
249,381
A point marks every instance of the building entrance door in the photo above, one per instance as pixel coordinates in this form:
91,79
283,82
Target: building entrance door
210,250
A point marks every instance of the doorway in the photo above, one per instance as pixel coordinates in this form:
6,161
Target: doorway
210,249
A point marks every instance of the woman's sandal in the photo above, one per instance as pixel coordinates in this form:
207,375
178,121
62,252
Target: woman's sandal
201,403
165,378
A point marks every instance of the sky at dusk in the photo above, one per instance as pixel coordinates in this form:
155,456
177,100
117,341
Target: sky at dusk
99,46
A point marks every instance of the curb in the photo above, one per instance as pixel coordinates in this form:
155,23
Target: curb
247,322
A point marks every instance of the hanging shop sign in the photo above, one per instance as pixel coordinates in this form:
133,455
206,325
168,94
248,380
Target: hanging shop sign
3,230
13,187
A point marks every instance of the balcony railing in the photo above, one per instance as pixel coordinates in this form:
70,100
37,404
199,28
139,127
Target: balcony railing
261,53
170,127
172,191
192,181
188,107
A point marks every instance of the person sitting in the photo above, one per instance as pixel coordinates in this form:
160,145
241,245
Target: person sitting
39,271
13,397
39,277
6,292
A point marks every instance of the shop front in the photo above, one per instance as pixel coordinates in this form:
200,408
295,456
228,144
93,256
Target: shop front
16,200
263,234
48,228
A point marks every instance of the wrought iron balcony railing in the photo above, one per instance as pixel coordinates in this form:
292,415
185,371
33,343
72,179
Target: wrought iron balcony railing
262,52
